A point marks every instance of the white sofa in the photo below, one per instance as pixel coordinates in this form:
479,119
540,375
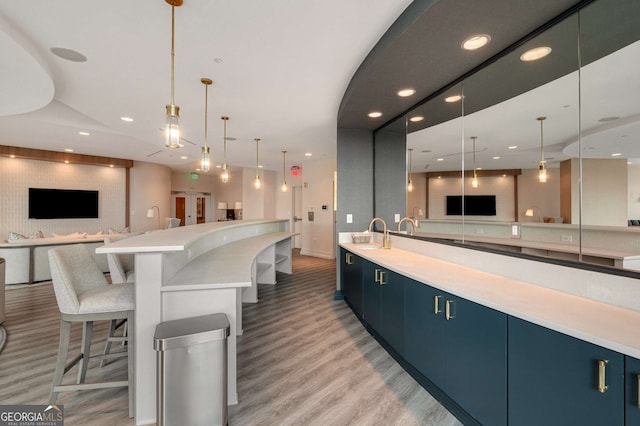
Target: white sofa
27,260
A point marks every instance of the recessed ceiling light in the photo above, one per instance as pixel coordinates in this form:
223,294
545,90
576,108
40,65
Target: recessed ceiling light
68,149
197,170
440,159
476,41
406,92
308,154
84,133
439,177
184,157
218,166
127,119
616,154
68,54
513,147
375,114
453,98
496,158
478,168
260,166
535,53
416,118
231,138
218,60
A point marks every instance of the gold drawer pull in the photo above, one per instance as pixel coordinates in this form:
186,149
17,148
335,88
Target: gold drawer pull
436,304
383,278
349,258
377,275
447,309
602,366
638,377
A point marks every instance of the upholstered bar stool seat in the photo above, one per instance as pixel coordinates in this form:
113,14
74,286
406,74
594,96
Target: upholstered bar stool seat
84,295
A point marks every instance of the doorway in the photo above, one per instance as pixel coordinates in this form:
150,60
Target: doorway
296,201
191,208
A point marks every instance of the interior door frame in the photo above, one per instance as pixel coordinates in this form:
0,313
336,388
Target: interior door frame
191,206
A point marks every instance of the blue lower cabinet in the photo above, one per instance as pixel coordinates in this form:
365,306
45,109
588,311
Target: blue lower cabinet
632,394
370,294
352,280
555,379
391,324
460,347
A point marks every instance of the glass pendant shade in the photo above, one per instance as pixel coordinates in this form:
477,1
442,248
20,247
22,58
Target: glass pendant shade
257,182
542,174
284,187
410,186
205,161
225,173
474,182
172,127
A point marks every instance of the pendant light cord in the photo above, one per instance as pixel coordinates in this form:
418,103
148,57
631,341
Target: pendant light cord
173,9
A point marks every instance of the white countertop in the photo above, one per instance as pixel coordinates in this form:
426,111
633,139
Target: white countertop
174,239
599,323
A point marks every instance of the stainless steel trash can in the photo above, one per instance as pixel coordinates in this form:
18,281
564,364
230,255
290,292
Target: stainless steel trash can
192,371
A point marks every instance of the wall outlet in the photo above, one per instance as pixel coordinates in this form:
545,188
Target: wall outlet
566,238
349,218
479,231
396,217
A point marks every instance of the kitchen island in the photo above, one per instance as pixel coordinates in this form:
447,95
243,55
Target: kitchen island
188,271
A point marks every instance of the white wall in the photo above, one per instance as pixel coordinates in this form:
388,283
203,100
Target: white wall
150,185
258,203
229,192
18,175
604,188
183,182
533,193
633,188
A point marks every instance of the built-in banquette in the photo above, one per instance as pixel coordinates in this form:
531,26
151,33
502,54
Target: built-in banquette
559,348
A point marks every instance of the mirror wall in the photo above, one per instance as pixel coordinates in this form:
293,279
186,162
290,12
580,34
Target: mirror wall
573,115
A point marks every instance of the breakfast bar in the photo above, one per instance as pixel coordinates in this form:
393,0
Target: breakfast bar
197,270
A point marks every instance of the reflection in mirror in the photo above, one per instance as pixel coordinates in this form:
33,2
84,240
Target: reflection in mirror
435,130
584,80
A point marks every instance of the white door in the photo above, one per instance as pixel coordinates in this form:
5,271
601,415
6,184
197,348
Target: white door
297,216
191,208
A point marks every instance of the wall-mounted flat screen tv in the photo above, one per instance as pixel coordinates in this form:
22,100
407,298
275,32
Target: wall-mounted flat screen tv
62,204
474,205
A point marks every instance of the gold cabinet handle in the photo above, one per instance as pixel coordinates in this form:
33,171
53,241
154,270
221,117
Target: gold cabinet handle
602,367
436,304
638,377
447,310
383,278
349,258
377,275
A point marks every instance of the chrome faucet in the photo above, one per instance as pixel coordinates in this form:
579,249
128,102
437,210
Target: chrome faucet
411,220
386,241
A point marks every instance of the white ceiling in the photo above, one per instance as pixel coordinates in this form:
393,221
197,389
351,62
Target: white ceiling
610,88
285,67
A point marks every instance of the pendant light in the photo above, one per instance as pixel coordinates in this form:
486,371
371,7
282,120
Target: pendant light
172,126
205,162
410,182
284,188
225,169
542,174
257,182
474,181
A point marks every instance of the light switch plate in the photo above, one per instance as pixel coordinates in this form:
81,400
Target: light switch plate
396,217
349,218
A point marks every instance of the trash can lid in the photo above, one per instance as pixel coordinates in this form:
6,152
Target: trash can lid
190,331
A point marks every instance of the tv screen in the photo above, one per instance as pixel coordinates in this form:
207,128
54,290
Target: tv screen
62,204
474,205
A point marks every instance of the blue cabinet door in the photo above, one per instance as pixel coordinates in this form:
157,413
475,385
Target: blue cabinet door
371,294
391,325
423,331
352,280
632,394
555,379
475,338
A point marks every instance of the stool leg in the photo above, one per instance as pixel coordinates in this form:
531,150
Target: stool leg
107,345
87,332
63,350
131,362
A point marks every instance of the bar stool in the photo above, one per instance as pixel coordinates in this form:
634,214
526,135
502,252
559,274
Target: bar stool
84,295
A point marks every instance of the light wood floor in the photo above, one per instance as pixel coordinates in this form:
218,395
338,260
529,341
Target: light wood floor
304,359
